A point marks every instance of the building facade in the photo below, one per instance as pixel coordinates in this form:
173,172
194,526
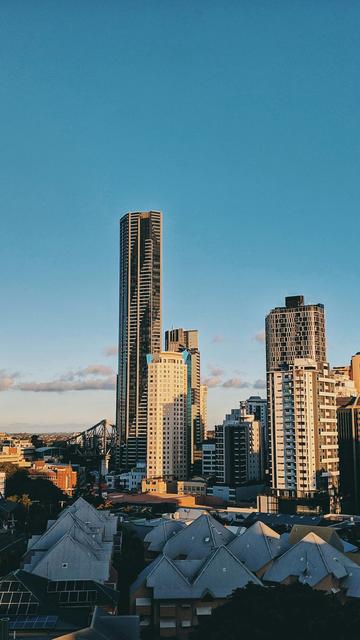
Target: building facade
203,408
304,446
344,385
208,458
188,340
63,476
355,371
238,449
295,331
139,327
257,406
168,431
349,455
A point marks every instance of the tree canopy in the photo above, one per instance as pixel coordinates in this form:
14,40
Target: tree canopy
39,489
279,613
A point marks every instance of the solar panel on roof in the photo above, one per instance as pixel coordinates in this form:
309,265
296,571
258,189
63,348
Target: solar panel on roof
33,622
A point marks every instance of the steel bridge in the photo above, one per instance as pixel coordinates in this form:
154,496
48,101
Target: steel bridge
99,441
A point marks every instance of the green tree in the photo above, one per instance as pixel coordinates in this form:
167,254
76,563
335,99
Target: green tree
9,468
38,499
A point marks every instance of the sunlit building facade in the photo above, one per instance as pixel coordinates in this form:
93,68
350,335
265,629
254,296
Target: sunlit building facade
168,433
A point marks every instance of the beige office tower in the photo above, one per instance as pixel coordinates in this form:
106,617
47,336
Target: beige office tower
167,429
188,340
139,327
295,331
355,371
304,445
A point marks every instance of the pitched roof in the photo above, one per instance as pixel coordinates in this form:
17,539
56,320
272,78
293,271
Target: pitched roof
311,560
198,539
221,574
105,627
283,519
71,558
161,532
299,531
257,546
168,581
88,514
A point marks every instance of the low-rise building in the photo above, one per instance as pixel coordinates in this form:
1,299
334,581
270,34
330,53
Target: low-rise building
194,487
63,476
131,480
173,594
76,546
66,571
18,451
199,565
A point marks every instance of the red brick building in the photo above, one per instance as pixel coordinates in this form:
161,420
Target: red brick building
62,476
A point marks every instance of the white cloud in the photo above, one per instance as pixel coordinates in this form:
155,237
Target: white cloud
260,337
7,379
212,381
235,383
95,370
217,338
60,385
259,384
111,351
215,371
94,377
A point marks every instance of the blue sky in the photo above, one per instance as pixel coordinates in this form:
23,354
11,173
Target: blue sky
238,119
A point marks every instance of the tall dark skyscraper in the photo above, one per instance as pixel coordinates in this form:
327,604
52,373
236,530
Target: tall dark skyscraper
139,326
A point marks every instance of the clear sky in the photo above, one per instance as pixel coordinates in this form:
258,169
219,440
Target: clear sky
238,119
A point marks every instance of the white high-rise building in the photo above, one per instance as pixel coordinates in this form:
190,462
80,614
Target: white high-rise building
304,445
188,340
167,425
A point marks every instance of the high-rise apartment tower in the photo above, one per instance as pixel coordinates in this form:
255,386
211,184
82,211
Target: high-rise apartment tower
139,327
167,447
295,331
181,340
303,449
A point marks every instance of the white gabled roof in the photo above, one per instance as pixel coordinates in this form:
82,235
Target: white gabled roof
76,546
198,539
311,560
165,529
257,546
221,574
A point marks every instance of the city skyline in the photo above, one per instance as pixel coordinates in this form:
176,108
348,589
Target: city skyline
245,136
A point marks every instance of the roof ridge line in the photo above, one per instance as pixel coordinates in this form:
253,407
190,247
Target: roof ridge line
164,556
